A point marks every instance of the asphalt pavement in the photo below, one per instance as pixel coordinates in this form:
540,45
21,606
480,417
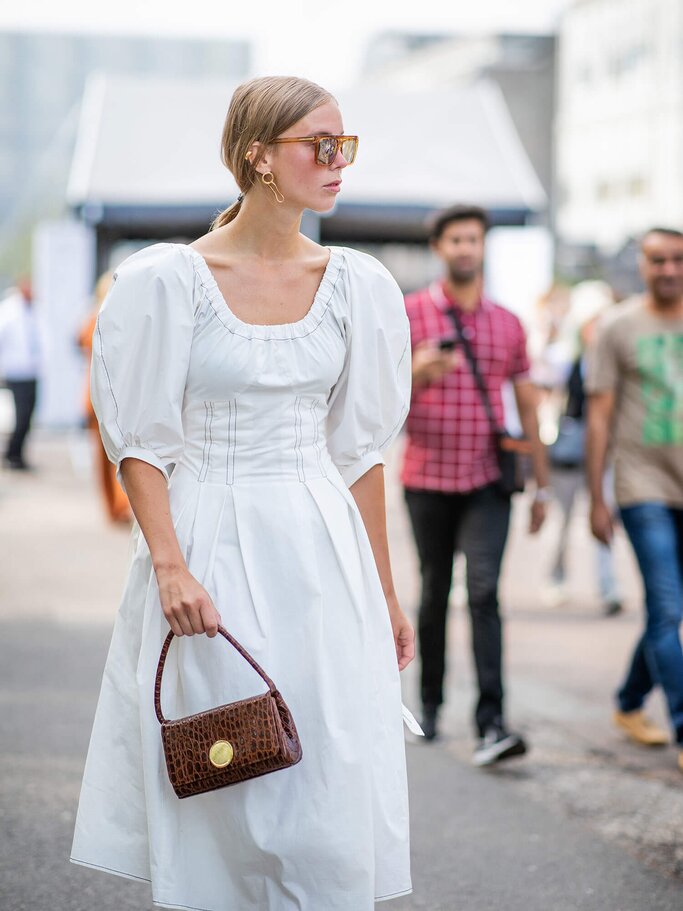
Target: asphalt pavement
586,822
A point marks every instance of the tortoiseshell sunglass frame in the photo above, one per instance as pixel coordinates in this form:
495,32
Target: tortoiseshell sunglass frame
318,140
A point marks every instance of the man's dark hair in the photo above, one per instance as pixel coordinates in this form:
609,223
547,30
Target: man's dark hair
438,222
669,232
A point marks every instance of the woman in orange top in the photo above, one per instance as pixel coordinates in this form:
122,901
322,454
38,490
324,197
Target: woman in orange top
115,499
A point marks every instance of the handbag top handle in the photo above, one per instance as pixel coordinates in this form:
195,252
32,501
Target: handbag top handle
226,635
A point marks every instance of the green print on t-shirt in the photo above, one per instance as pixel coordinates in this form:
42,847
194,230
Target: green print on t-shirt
660,364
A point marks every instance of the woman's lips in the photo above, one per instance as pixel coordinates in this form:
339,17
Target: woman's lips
335,186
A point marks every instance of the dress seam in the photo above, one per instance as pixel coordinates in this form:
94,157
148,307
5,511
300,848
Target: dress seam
232,442
298,438
406,408
163,904
203,471
87,863
109,383
388,895
316,437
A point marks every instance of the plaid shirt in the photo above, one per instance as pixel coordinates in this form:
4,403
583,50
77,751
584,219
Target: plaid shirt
450,446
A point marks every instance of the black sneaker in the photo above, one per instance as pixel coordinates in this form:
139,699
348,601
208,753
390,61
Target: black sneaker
428,723
498,744
16,464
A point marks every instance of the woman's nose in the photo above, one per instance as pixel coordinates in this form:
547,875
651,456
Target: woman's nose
339,160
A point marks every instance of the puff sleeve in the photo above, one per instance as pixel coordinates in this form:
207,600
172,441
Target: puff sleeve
141,356
369,402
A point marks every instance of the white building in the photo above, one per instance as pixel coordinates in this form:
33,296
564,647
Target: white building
42,77
619,124
522,66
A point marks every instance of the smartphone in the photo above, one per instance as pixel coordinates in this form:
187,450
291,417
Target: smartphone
447,344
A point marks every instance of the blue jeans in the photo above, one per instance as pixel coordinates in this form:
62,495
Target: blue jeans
656,533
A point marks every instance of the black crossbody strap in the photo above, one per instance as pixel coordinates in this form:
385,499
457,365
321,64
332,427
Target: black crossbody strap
474,367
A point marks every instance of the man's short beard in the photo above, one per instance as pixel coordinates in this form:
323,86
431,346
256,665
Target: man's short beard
666,300
463,276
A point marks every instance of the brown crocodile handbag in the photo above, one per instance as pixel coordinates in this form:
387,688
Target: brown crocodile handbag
228,744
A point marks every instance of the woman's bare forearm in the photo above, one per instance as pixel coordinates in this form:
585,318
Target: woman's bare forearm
185,602
368,492
148,495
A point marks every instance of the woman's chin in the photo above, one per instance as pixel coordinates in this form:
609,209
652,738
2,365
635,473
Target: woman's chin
322,205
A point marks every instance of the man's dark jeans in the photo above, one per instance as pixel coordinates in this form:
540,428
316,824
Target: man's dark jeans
656,533
475,523
24,392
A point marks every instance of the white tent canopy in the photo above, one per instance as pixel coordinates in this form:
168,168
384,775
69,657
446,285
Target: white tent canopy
154,142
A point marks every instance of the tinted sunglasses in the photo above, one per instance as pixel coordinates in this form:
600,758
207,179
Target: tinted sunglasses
326,147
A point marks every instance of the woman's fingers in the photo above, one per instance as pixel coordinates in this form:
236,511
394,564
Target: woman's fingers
405,656
194,615
175,626
186,605
210,619
405,645
183,620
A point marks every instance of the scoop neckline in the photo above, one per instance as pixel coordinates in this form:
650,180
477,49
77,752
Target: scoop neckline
297,328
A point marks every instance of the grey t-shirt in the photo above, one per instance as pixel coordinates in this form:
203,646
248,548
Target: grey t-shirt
639,357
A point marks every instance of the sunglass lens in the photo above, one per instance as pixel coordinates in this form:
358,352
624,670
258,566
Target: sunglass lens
327,149
348,149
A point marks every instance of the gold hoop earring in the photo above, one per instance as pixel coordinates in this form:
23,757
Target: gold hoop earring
269,181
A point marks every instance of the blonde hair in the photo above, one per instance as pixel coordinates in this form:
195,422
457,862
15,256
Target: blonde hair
261,110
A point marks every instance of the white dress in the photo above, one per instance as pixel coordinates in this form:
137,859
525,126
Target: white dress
266,426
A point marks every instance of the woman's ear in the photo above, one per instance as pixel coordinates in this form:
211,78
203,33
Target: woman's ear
261,155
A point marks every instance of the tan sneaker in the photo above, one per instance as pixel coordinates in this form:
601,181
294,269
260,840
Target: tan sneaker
680,761
640,728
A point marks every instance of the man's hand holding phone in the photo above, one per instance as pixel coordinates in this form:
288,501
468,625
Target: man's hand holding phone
434,358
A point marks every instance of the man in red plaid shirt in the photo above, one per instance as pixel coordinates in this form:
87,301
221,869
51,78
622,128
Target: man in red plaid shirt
450,468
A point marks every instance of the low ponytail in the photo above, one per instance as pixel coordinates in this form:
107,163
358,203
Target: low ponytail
227,215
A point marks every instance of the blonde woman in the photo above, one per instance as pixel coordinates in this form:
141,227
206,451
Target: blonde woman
272,373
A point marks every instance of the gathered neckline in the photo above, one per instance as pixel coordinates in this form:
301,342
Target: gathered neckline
295,329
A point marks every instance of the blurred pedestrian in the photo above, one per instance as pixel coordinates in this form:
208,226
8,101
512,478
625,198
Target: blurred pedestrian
21,355
271,373
113,496
451,471
636,408
567,454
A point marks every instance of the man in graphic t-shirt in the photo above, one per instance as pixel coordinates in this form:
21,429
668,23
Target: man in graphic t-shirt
635,408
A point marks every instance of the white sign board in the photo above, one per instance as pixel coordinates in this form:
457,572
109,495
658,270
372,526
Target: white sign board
519,267
63,278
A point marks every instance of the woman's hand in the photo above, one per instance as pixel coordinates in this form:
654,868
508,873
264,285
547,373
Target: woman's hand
404,634
185,603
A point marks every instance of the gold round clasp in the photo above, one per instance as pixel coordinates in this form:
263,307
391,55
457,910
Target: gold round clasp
221,754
